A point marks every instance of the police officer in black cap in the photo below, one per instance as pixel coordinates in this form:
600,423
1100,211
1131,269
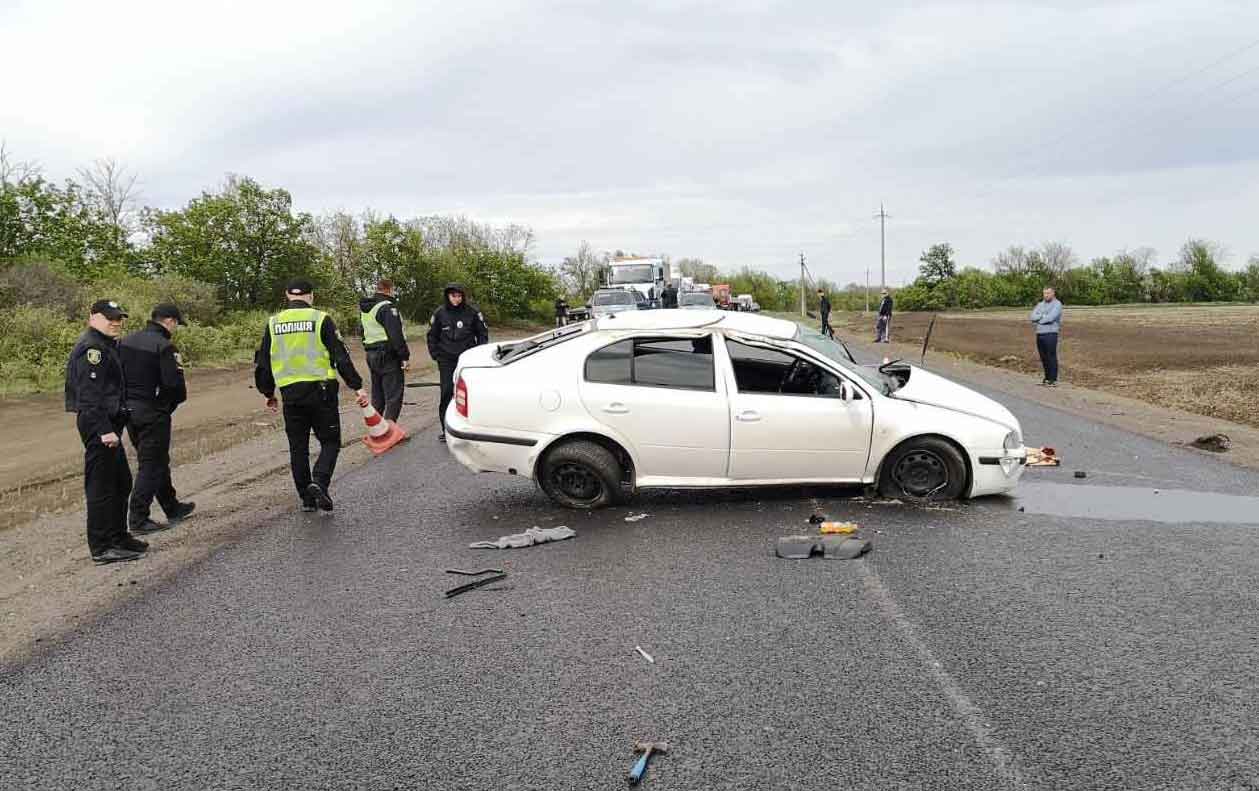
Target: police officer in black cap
456,327
301,354
96,391
155,387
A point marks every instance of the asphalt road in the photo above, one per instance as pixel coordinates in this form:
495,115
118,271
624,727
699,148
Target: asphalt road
976,647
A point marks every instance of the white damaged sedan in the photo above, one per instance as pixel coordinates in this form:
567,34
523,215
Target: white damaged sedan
701,399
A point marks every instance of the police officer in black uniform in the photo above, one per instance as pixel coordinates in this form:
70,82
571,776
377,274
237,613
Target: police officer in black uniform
302,353
561,312
96,391
385,344
155,387
457,327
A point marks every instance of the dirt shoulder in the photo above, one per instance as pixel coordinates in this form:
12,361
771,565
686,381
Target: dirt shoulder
230,456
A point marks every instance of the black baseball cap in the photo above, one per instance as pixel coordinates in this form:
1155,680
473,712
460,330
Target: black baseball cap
168,311
109,309
299,286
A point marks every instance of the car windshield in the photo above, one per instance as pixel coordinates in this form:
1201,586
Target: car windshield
838,354
612,298
640,273
696,299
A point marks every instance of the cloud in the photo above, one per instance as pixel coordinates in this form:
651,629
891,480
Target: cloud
743,132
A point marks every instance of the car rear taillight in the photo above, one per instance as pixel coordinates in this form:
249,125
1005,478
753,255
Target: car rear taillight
461,397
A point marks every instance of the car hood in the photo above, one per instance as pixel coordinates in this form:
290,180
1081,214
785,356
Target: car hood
924,387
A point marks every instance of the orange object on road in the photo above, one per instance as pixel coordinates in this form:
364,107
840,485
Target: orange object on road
840,528
381,434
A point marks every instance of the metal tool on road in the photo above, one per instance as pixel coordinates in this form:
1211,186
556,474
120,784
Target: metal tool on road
423,384
640,766
499,574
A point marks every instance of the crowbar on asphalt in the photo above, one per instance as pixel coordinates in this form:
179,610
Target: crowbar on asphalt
467,586
927,339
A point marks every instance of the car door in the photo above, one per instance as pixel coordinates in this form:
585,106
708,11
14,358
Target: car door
661,394
802,430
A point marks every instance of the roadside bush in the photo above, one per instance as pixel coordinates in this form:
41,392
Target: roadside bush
35,343
198,301
43,283
233,340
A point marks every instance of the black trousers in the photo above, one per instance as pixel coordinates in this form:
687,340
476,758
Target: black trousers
150,429
106,484
1047,345
447,370
387,383
319,413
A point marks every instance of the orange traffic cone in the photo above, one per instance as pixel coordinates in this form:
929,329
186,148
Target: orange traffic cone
381,434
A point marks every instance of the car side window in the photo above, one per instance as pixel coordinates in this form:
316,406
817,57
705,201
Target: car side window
674,362
685,363
761,370
611,365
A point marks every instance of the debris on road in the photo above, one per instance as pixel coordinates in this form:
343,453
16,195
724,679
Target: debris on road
837,548
837,528
830,547
636,518
650,659
640,766
1081,474
534,535
475,573
1043,457
467,586
1216,443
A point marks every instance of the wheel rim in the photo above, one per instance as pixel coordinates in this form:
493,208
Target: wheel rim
576,481
921,473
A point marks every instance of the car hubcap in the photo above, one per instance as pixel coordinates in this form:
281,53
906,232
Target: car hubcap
576,481
921,473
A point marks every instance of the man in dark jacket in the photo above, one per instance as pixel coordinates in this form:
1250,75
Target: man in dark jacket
883,324
302,353
155,387
669,298
457,327
386,346
824,308
561,312
96,390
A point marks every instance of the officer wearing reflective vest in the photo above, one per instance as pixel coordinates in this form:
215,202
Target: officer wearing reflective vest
386,346
301,354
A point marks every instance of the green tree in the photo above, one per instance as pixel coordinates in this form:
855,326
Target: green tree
1205,279
245,240
937,265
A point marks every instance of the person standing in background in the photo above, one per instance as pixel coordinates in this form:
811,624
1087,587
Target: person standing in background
155,387
1047,318
824,309
457,326
385,345
883,324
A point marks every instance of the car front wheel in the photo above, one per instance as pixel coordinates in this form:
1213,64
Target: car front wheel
925,468
581,475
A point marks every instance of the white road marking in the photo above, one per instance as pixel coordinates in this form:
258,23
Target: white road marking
1003,762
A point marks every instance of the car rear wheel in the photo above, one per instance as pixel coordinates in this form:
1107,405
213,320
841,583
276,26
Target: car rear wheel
581,475
925,468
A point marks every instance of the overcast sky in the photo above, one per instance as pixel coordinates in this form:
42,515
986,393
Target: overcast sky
739,132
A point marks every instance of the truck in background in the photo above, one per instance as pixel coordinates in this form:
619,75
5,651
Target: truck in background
647,276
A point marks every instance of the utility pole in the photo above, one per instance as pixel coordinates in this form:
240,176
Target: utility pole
867,289
802,285
882,218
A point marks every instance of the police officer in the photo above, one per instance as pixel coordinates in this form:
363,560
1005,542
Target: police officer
386,346
96,391
457,327
561,312
301,354
824,308
155,387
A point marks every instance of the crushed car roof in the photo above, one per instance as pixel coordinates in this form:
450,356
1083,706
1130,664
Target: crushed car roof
749,323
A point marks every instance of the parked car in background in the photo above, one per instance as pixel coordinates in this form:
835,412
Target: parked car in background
607,301
696,300
708,398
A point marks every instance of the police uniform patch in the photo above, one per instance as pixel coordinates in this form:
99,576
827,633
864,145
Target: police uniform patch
94,356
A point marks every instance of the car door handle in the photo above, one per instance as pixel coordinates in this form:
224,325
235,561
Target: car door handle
616,408
748,416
